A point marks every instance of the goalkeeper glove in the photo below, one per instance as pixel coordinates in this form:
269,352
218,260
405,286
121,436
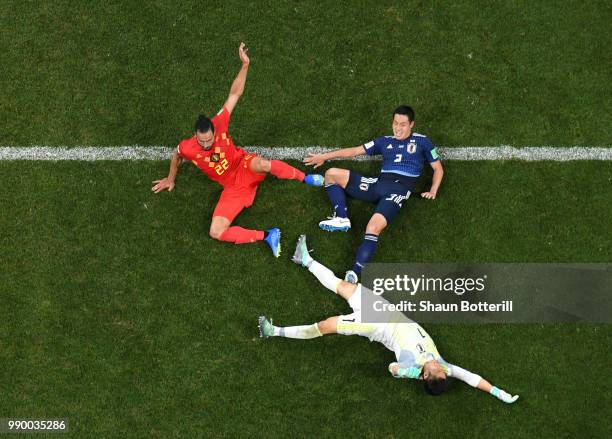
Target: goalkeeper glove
502,395
408,372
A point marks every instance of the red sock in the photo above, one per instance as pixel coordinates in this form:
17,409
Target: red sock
238,235
284,171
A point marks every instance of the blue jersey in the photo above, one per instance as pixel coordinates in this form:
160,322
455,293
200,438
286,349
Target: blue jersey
404,157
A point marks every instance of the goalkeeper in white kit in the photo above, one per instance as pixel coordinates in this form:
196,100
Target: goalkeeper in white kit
416,353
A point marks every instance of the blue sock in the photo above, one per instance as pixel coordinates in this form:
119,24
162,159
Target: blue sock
365,251
338,199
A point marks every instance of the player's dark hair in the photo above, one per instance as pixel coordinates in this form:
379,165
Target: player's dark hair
406,111
203,124
435,386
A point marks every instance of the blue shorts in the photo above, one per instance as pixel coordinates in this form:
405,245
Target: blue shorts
389,191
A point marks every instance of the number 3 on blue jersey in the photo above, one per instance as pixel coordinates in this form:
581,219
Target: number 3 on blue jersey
398,158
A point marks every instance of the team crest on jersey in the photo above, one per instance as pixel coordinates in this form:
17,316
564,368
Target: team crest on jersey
411,148
214,157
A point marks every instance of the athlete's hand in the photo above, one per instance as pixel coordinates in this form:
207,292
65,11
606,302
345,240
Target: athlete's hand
508,399
503,395
162,184
407,372
315,160
429,195
242,52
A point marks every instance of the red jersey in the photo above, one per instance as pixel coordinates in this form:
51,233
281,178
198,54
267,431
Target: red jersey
222,159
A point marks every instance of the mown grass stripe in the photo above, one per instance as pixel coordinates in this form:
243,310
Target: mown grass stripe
461,153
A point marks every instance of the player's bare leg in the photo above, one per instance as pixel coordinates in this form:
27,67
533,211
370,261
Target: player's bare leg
218,225
328,326
336,180
368,247
376,224
337,176
346,290
259,165
284,171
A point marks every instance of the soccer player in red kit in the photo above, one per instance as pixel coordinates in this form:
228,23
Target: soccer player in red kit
212,150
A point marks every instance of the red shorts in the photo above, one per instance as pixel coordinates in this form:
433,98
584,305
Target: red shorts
241,193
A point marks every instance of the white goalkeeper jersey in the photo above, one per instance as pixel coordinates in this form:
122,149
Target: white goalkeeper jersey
412,345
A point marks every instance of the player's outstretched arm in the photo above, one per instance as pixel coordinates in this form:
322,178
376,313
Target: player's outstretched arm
459,373
317,160
238,85
168,182
436,181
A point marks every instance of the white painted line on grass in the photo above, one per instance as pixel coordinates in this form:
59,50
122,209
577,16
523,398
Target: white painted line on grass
462,153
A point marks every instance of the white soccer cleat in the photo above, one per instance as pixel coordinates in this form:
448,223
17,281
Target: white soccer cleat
335,224
302,254
351,277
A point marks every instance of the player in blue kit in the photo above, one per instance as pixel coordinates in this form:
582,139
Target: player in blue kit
404,155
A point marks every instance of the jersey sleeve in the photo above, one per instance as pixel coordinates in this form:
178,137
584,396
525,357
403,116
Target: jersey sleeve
431,153
221,120
373,147
464,375
185,151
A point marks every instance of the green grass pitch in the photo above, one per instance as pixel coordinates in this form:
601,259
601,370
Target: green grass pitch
118,311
